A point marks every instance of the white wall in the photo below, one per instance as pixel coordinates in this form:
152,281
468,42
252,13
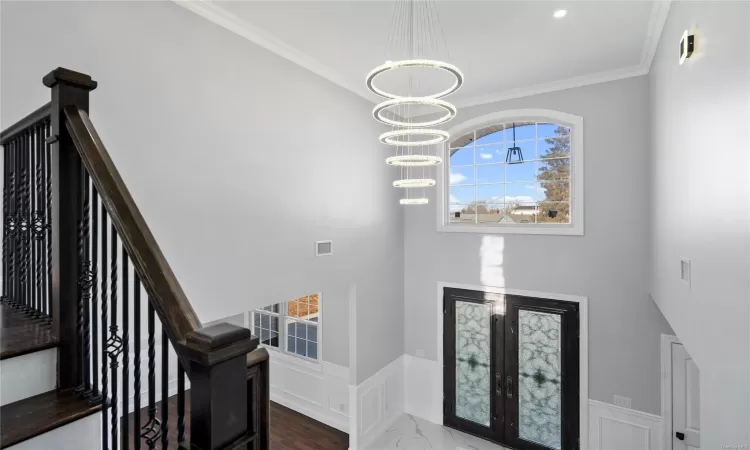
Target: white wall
700,118
608,265
238,159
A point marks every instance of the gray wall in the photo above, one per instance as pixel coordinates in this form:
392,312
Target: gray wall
608,264
238,159
700,210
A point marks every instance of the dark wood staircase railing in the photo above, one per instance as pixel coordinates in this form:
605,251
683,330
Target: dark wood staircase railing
78,252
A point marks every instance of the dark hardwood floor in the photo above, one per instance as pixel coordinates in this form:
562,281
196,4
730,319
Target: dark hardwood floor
290,430
22,334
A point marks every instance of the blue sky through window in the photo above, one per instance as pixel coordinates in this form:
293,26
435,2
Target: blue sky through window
478,171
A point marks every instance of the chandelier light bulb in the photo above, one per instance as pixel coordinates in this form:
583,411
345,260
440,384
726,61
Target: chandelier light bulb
414,160
414,183
379,111
437,136
413,63
413,201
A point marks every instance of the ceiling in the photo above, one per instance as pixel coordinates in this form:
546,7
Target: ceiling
505,49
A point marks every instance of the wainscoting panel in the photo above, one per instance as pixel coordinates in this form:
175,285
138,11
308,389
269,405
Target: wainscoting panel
379,401
610,427
615,428
319,391
424,388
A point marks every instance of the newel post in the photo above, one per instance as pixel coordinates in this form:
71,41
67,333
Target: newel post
68,88
218,386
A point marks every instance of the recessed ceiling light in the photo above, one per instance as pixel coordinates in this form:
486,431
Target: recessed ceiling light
560,13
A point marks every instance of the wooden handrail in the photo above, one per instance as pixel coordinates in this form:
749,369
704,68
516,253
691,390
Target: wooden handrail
214,357
166,295
23,124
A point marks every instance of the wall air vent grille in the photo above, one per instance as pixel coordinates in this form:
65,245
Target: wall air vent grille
323,248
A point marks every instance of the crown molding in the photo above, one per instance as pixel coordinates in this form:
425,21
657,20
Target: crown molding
656,22
220,16
561,85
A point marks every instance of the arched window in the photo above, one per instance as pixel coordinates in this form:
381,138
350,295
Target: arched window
514,172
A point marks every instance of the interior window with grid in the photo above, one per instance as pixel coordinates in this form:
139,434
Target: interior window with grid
292,327
510,173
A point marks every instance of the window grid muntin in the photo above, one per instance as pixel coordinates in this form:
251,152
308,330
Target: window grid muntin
258,316
283,334
537,159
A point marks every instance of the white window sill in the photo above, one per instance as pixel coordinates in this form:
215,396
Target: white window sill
558,230
293,360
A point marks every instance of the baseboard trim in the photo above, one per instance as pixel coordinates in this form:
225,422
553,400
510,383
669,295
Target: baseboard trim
605,423
335,420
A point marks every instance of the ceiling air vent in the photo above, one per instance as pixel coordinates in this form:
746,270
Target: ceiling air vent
323,248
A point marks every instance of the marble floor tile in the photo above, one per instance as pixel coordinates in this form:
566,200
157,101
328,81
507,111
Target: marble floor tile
412,433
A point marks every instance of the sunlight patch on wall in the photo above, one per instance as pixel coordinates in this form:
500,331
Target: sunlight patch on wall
491,261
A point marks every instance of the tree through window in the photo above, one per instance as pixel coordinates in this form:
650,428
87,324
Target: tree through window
513,173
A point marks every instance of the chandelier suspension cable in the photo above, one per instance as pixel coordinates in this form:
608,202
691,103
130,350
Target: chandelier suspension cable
413,49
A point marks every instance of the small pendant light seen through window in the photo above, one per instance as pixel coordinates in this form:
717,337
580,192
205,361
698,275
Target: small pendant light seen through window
514,155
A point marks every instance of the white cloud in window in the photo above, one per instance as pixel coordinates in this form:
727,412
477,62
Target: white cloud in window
453,206
485,155
457,177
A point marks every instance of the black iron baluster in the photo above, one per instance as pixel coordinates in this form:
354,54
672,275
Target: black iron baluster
180,402
114,345
6,217
95,394
19,231
33,311
24,223
27,288
11,225
18,253
152,429
125,350
85,279
39,224
105,340
137,360
48,179
164,389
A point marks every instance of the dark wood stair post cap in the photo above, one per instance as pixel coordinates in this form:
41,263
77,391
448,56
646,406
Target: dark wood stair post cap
62,75
218,393
211,345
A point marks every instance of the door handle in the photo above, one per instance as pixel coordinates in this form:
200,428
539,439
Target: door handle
499,384
680,436
509,386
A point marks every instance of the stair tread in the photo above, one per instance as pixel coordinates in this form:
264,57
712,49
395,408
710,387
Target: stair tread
22,334
41,413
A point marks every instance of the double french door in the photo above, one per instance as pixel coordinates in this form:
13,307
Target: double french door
511,369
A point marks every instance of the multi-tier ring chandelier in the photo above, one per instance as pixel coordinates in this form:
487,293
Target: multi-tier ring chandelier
416,40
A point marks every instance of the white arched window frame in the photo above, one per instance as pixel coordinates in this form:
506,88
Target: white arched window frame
576,224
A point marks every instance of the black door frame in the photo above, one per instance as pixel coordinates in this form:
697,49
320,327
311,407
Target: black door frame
496,428
504,366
